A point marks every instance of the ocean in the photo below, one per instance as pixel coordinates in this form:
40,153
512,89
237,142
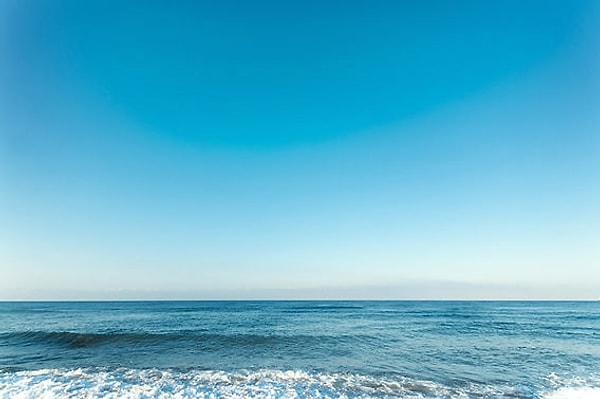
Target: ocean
300,349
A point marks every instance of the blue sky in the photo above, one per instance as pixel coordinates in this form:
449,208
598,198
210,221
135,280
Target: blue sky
299,149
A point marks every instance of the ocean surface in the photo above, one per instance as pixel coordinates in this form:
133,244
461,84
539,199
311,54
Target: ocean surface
300,349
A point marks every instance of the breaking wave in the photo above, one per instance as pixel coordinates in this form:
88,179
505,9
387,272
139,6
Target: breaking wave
153,383
167,384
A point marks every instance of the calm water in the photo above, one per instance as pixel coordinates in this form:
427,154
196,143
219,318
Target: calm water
300,350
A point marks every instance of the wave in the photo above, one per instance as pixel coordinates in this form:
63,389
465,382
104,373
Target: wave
81,340
167,384
73,339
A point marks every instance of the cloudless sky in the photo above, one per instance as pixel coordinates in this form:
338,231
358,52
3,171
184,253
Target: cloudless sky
301,149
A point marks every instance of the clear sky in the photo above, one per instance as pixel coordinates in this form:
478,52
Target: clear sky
299,149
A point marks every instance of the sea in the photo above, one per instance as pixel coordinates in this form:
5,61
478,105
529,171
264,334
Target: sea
300,349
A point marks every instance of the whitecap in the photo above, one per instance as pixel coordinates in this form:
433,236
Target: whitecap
573,393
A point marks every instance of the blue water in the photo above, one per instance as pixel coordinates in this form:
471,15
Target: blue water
304,349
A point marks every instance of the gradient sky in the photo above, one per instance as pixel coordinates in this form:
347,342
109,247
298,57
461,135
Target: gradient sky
301,149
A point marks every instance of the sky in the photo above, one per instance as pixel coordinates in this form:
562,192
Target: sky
299,149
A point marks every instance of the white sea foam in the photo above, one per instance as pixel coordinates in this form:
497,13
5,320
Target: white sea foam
574,393
174,384
161,384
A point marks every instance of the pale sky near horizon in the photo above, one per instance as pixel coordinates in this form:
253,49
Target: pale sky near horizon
358,149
